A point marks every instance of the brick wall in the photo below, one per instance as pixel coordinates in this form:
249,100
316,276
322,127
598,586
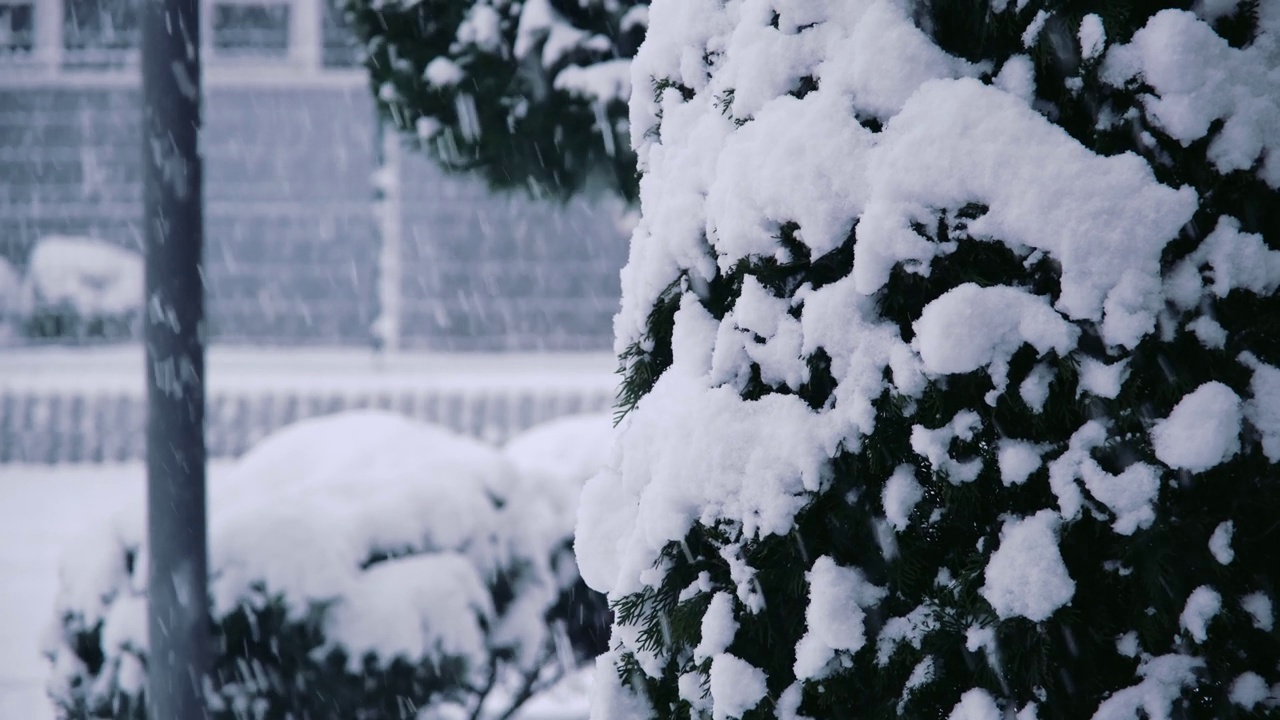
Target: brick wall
291,244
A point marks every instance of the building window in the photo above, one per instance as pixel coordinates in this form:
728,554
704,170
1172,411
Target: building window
100,34
341,49
282,36
17,28
250,30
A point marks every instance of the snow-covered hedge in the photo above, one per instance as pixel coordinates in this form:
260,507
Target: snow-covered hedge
555,459
530,94
361,565
80,287
952,364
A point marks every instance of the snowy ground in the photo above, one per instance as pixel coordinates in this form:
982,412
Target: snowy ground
41,509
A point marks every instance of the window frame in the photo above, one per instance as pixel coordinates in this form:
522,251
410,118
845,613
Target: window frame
302,63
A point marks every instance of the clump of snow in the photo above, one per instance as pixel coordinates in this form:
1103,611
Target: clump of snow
976,704
1105,219
1018,78
1198,79
1127,644
769,453
411,608
1093,36
1210,333
1032,33
1202,605
443,72
481,28
910,629
1018,459
542,28
309,504
690,687
1026,576
606,81
901,493
971,327
1100,379
607,691
736,686
834,617
1249,690
1225,261
884,58
743,576
1220,543
935,446
1202,431
1163,679
1258,605
91,277
1130,495
1263,408
718,628
922,674
1034,389
979,637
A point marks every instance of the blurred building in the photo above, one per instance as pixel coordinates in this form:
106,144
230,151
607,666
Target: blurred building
290,146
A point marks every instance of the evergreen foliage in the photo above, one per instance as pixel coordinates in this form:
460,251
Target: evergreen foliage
1126,644
528,94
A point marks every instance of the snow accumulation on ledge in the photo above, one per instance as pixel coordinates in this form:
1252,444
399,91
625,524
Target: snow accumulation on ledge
887,137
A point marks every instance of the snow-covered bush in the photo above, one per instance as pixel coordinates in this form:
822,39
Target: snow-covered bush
952,364
81,287
529,94
554,460
362,565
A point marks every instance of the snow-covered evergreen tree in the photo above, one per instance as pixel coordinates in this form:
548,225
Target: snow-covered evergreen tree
528,93
952,354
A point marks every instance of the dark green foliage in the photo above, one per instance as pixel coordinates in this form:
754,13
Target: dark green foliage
64,322
277,665
506,119
1138,582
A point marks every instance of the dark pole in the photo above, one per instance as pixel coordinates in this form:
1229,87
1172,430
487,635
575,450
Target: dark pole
174,314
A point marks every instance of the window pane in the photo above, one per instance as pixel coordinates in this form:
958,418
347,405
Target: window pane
251,30
17,26
100,33
341,48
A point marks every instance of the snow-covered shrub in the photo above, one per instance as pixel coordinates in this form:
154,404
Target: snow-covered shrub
81,287
554,459
362,565
529,94
952,364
